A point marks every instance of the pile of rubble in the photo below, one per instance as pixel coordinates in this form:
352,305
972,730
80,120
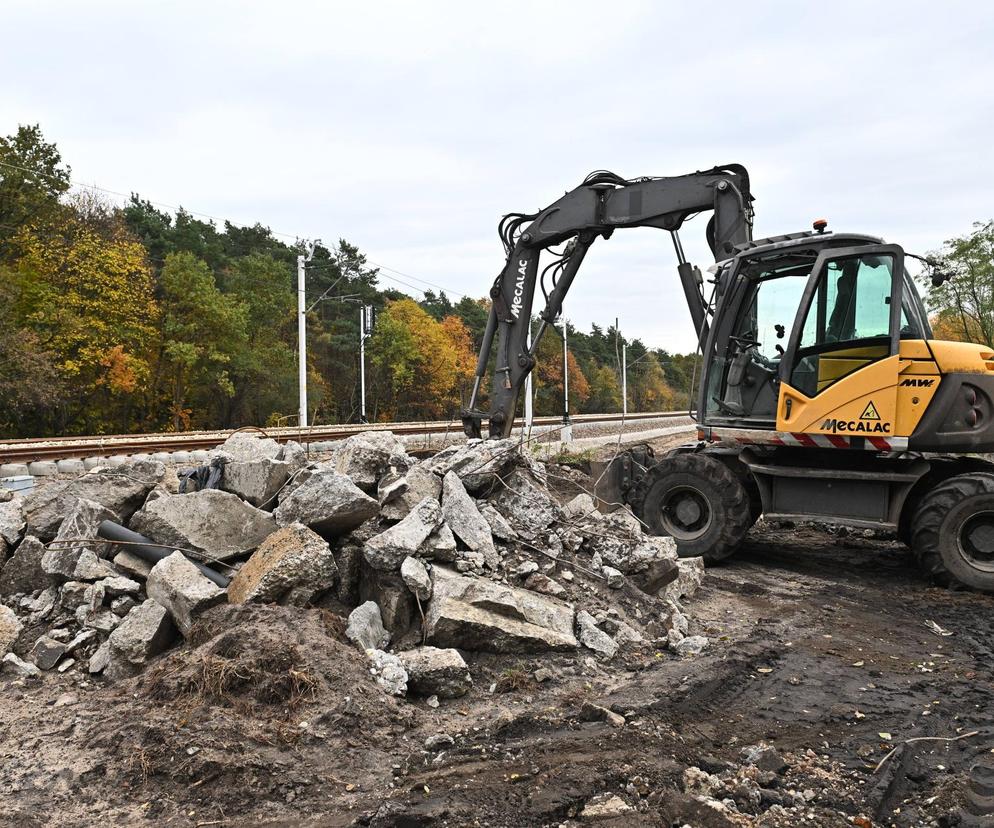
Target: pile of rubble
466,551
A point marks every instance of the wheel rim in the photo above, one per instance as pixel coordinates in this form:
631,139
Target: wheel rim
686,513
976,541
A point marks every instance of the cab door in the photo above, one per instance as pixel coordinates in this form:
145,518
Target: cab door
840,371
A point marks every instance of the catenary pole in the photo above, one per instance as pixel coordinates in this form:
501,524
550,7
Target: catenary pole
302,261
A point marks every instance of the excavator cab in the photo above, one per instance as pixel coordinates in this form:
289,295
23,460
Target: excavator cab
824,396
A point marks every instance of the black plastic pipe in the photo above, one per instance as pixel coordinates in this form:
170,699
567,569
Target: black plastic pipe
147,550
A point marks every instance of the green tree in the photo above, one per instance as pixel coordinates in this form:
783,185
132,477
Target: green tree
964,306
32,179
202,330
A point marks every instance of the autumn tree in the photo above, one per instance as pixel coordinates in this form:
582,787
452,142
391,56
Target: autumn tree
548,377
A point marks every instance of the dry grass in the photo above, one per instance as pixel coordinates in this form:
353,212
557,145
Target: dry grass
514,679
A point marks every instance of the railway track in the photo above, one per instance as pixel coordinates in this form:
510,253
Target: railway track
64,448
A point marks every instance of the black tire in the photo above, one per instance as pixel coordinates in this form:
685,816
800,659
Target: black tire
953,531
696,500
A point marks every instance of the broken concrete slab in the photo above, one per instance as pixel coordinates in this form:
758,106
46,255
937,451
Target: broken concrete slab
18,667
463,517
543,584
499,527
10,629
182,589
12,522
421,483
131,565
365,627
440,545
246,447
368,456
478,463
327,502
391,595
657,575
525,503
292,567
117,585
391,486
348,559
23,571
256,481
478,614
432,671
594,638
66,550
387,550
217,524
122,490
91,568
689,579
415,575
147,631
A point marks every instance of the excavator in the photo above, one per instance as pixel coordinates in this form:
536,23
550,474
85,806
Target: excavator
823,395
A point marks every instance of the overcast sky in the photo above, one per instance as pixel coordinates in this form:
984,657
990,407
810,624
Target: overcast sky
410,128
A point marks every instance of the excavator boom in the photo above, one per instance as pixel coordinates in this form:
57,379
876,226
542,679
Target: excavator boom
603,202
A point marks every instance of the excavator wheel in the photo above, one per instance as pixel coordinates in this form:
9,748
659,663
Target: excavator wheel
953,531
696,500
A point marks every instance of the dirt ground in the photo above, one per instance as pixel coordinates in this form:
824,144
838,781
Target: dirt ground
821,645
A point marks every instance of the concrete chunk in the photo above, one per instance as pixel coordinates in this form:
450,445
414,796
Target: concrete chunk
368,456
327,502
145,632
387,550
11,522
523,500
256,481
23,669
219,524
245,446
415,575
389,672
436,672
63,555
292,566
23,571
462,516
477,614
593,638
421,482
365,627
10,629
46,652
181,588
131,565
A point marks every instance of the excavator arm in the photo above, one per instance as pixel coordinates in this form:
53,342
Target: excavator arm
603,202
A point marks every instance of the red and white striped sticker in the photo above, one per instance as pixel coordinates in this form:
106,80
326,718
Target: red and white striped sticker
749,436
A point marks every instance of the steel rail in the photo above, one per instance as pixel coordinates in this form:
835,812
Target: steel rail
59,448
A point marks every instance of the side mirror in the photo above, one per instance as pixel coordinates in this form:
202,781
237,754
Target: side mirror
939,278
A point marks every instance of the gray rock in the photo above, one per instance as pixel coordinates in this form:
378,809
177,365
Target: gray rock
91,568
366,457
389,672
100,619
256,481
625,635
415,575
688,581
479,463
100,659
23,571
11,522
477,614
580,508
46,652
10,629
81,640
246,447
626,548
525,568
118,585
436,672
327,502
421,483
122,490
594,638
525,503
63,555
123,605
131,565
348,558
292,566
389,592
464,519
691,645
499,527
543,674
615,578
181,588
440,545
391,486
606,807
387,550
218,524
537,582
439,740
147,631
365,627
18,667
765,757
